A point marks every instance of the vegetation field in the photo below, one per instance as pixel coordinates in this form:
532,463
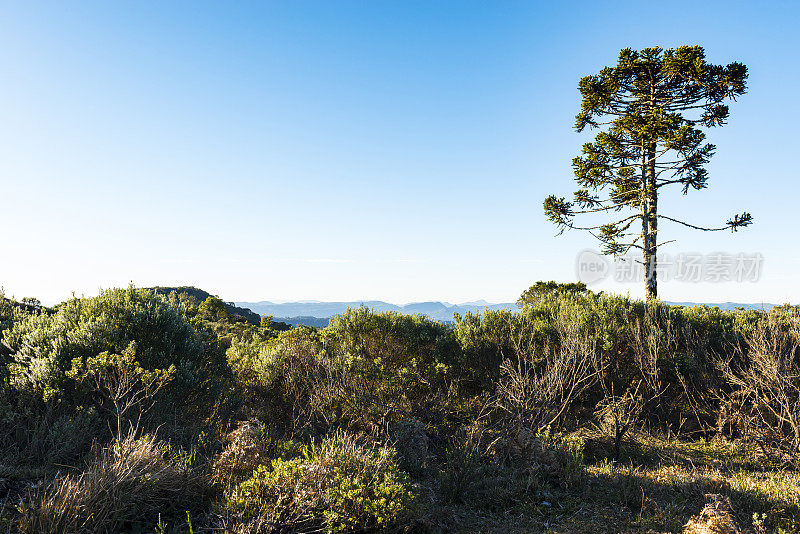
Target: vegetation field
157,411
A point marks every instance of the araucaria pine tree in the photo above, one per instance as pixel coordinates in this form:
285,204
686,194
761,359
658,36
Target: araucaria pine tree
651,108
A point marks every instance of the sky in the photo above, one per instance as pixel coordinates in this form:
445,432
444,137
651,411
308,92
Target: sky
332,150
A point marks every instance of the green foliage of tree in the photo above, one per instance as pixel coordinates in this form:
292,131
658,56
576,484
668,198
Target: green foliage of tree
270,325
541,288
191,298
651,107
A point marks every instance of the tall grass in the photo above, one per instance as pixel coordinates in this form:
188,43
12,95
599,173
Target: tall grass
129,483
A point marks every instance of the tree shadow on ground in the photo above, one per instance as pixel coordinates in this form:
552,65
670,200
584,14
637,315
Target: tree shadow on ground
618,498
656,487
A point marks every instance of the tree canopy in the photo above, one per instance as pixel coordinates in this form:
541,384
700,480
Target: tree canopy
541,288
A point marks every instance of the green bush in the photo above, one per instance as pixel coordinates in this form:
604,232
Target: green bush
340,485
45,345
668,354
6,317
391,365
287,381
485,341
470,475
366,370
41,397
36,439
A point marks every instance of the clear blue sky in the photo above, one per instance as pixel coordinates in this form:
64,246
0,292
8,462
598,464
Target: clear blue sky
358,150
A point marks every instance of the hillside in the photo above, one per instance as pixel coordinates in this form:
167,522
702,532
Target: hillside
199,295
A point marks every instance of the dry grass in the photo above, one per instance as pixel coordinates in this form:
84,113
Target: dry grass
244,453
129,483
716,517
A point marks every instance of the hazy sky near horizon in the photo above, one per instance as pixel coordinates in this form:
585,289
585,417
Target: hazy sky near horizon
357,150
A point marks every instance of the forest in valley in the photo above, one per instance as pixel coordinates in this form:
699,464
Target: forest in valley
143,410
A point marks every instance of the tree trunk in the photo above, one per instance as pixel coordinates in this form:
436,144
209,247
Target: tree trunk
646,249
652,224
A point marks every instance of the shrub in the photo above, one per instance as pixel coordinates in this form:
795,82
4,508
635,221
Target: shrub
541,382
365,371
666,354
765,399
388,366
6,319
486,340
58,438
561,455
340,485
124,389
492,469
44,347
411,442
544,454
128,485
472,475
288,379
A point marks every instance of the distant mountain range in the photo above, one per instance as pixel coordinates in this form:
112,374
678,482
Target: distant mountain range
318,314
727,305
306,312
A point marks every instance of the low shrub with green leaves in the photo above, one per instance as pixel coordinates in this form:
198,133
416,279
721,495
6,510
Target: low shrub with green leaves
491,468
339,484
667,354
288,380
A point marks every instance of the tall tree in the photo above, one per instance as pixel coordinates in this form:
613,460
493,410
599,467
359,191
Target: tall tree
650,108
